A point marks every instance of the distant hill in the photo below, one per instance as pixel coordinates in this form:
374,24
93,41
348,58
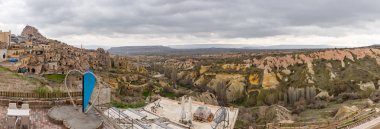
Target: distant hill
247,46
205,48
200,46
135,50
291,47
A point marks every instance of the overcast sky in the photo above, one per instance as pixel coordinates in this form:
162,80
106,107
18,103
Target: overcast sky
173,22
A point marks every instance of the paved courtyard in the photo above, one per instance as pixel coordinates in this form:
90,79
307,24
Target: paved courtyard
39,119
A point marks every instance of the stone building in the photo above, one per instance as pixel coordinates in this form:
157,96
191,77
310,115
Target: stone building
3,54
24,60
44,46
53,66
38,55
28,45
4,43
34,69
15,53
5,37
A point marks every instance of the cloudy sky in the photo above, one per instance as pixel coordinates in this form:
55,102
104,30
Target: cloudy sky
173,22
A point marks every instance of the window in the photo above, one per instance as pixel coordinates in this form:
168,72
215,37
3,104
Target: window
4,56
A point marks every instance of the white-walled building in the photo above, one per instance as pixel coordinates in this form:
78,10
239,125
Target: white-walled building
3,55
5,39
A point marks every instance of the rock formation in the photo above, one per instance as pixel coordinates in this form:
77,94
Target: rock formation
32,33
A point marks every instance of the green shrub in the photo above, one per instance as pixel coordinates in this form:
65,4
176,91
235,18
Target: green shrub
58,92
147,92
41,91
166,93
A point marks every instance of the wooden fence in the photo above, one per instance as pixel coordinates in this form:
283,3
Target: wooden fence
8,94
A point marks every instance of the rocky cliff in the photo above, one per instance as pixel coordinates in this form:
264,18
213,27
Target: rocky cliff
31,32
333,70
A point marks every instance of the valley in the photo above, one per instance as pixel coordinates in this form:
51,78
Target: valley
312,84
317,87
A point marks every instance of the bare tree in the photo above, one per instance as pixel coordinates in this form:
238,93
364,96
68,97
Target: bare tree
174,78
221,92
292,95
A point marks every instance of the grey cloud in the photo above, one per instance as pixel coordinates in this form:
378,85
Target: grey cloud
226,18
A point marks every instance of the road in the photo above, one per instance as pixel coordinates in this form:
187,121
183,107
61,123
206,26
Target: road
370,124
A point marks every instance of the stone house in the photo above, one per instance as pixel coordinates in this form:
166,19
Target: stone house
35,69
15,52
44,46
5,37
24,60
28,45
52,66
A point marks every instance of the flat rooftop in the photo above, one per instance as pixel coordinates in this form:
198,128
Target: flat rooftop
171,110
167,117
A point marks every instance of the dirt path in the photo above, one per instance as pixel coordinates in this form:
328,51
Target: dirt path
10,81
373,124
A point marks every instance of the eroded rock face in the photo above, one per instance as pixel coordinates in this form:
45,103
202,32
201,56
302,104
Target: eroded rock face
275,113
204,69
254,79
339,55
367,86
269,80
185,65
201,81
32,33
271,63
207,97
187,75
235,85
345,111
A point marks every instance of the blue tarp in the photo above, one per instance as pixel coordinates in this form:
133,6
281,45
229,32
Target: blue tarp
12,60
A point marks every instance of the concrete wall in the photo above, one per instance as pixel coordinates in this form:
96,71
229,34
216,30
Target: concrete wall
104,96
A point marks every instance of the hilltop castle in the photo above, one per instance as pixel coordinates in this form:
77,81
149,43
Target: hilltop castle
33,53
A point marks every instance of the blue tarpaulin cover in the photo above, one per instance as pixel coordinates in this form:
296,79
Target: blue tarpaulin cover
12,60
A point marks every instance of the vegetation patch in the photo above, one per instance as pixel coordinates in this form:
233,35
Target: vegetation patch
2,69
58,78
168,94
147,92
127,105
41,91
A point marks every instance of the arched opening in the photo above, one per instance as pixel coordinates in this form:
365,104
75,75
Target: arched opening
33,70
4,56
53,67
